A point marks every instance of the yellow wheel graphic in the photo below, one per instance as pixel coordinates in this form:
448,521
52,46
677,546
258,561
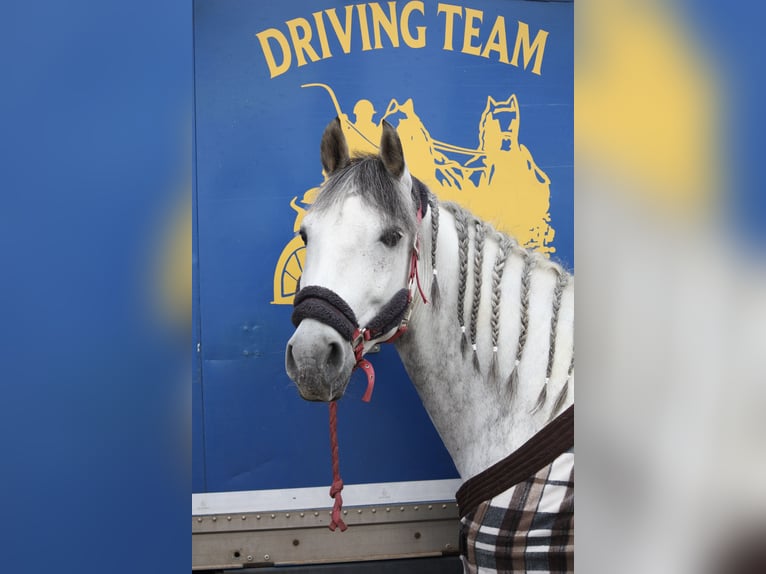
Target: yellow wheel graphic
288,271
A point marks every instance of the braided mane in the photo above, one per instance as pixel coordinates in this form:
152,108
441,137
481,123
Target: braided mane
465,222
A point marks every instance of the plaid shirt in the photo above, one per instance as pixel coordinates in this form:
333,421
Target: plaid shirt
518,515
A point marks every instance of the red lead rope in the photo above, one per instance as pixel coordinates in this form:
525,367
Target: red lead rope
337,483
366,366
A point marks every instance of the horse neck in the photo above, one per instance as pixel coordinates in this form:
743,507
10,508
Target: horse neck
479,417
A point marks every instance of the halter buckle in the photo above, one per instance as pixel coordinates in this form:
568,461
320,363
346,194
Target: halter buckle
359,338
407,314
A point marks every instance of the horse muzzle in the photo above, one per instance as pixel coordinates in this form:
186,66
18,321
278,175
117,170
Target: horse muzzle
319,361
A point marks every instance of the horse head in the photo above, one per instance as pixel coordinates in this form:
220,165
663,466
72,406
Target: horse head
499,125
360,235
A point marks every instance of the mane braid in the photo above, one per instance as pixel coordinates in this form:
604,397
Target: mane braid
526,280
433,202
478,262
462,232
504,244
562,278
564,390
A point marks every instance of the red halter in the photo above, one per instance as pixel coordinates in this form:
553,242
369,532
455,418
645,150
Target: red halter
326,306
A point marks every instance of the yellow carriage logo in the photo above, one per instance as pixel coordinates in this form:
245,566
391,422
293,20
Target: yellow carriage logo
498,180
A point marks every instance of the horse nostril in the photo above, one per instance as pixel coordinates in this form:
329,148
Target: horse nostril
335,358
290,360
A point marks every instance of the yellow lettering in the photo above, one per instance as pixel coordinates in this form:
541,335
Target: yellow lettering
379,21
363,28
522,44
343,33
420,40
497,41
274,34
449,13
301,42
471,32
322,35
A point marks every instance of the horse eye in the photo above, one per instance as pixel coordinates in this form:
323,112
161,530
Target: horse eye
390,237
304,238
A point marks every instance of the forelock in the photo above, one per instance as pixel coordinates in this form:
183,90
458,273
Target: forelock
367,177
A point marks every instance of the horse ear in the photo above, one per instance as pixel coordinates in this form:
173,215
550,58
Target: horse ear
391,150
334,150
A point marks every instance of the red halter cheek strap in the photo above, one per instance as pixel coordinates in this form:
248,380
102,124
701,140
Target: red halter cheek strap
362,336
359,338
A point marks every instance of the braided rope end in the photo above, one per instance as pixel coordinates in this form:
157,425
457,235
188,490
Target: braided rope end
337,521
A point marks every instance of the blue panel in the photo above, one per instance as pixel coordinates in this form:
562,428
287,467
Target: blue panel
198,409
261,434
257,148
